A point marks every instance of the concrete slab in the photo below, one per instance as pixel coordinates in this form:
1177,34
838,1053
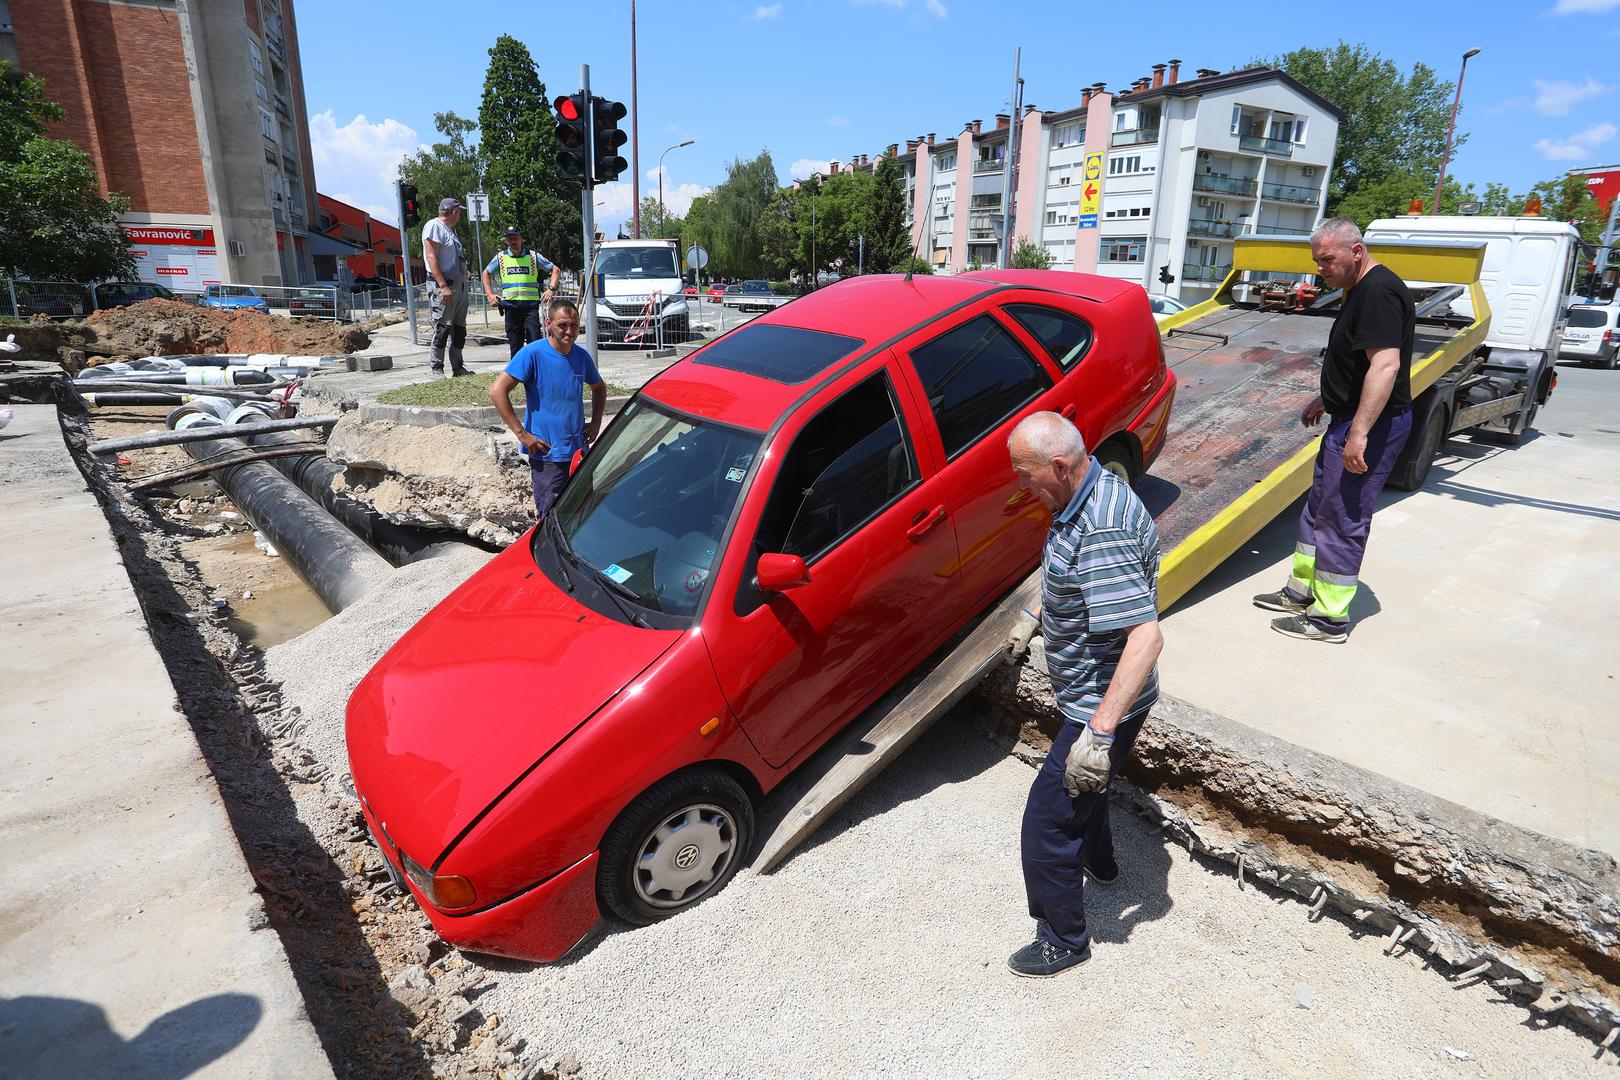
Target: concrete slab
1484,662
132,942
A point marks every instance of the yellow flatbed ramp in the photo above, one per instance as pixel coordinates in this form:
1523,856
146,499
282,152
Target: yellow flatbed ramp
1237,456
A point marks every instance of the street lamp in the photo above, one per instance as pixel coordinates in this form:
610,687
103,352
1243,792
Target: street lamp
677,146
1450,128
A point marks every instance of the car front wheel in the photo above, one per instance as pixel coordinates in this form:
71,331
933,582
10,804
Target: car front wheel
680,842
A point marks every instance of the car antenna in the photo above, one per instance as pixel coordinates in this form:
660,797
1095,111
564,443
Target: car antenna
916,253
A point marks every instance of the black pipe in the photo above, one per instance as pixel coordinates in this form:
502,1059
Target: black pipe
330,559
316,476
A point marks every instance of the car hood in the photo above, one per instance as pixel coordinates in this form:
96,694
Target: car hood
477,693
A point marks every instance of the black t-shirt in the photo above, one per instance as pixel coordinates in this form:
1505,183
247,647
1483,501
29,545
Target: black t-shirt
1377,314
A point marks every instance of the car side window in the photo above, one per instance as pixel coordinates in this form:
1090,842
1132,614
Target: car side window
975,377
1065,337
845,466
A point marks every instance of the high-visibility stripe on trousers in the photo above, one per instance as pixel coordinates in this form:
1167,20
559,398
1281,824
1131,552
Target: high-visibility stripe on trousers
1337,518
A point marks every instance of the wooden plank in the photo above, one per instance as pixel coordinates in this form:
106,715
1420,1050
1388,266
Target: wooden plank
888,728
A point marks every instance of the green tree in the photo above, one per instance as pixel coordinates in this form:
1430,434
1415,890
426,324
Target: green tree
55,223
1393,195
519,136
448,168
1568,198
911,265
888,243
659,221
1395,123
1029,255
745,211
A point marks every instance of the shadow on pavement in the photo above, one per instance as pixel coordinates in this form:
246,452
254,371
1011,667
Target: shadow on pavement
52,1036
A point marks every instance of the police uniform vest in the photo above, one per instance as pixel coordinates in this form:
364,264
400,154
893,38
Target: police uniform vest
520,277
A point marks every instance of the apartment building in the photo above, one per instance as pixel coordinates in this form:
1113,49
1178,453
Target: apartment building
194,109
1182,168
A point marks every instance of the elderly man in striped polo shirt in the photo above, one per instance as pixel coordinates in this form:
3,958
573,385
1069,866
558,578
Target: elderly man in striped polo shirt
1099,621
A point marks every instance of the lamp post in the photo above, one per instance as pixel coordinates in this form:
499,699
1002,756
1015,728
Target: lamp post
1450,129
677,146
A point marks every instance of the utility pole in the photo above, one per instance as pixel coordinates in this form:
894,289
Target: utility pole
635,137
1007,167
587,213
1451,128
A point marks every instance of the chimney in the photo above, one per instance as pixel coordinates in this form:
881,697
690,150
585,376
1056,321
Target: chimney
1028,109
1141,84
930,138
832,168
975,126
1085,96
1002,120
1204,73
1175,72
1158,75
894,150
911,145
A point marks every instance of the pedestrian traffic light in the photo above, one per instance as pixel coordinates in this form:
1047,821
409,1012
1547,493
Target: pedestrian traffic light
608,163
408,209
573,151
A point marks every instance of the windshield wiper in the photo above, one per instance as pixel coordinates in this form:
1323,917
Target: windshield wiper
614,591
564,550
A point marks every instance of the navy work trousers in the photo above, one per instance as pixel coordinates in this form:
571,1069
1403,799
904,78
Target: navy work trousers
522,323
549,478
1063,833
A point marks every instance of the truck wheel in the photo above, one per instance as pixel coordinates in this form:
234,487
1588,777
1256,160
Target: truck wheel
1409,475
678,843
1516,437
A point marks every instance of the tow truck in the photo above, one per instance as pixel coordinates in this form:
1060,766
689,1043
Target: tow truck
1237,455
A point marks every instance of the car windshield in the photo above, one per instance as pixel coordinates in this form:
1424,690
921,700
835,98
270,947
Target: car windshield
243,291
648,506
620,263
1587,317
757,286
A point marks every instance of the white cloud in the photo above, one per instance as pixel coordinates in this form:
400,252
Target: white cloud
768,11
838,121
1557,98
617,201
361,159
935,8
1584,7
885,3
1578,145
801,169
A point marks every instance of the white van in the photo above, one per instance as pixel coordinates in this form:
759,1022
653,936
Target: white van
1592,334
638,290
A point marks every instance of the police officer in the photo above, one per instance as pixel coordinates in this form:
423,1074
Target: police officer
519,299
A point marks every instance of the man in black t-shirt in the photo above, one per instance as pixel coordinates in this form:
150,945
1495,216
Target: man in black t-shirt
1367,398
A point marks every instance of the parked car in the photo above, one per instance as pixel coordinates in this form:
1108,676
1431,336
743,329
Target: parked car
1591,334
717,291
53,299
111,294
772,533
690,290
1165,306
753,296
235,296
315,303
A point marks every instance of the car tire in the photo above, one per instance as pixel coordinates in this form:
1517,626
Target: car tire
652,868
1117,459
1608,362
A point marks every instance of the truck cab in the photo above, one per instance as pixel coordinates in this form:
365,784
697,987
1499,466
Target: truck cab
638,293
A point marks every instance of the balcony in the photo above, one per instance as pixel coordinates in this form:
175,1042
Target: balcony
1225,185
1134,137
297,219
1256,144
1290,193
988,166
1213,275
1283,230
280,215
1220,230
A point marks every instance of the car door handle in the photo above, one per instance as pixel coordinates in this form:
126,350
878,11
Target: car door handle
924,522
1067,411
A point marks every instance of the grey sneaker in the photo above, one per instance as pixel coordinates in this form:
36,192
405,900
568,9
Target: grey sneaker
1301,627
1281,600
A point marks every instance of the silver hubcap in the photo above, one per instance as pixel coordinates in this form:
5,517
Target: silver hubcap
685,856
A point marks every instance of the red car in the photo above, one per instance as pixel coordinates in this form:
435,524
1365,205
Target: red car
769,536
690,290
717,292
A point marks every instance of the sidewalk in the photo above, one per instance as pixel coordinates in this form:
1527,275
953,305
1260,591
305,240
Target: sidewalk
134,943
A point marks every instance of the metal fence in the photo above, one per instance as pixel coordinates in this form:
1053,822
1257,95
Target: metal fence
24,298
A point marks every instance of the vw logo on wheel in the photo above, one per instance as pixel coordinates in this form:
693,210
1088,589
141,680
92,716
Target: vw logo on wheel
685,857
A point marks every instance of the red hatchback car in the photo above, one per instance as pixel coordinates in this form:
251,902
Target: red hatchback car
769,536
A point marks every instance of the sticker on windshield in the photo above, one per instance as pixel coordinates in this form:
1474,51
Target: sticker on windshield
735,475
695,579
617,574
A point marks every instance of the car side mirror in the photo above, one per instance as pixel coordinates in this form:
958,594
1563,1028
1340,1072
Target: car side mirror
777,573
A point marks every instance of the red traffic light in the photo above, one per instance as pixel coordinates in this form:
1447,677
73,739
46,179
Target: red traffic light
567,107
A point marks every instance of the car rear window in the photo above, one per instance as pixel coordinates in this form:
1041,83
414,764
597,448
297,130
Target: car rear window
1065,337
784,354
1587,317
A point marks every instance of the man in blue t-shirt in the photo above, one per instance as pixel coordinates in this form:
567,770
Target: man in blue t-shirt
554,375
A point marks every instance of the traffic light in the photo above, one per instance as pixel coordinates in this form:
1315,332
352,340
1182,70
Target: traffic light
608,163
573,153
1165,275
408,207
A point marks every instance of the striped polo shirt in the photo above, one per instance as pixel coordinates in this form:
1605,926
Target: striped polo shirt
1100,578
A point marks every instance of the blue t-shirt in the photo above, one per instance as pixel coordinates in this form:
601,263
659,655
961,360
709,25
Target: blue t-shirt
553,393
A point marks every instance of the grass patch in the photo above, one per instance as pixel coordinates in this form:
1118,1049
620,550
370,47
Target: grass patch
459,392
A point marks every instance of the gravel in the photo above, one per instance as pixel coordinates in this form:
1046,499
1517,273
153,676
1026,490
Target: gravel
879,949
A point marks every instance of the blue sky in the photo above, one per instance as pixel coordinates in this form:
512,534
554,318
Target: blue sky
813,80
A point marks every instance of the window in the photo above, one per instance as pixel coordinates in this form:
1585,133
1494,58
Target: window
976,376
1237,118
986,202
849,463
1122,249
783,354
1066,338
267,124
258,89
1299,131
1066,135
947,162
1126,165
255,57
1127,212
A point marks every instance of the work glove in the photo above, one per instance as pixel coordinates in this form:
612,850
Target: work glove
1022,632
1086,768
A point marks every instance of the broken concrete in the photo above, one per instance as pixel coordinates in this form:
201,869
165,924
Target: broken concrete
1540,915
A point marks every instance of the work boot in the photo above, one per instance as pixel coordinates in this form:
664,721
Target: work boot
1301,627
1040,959
1282,600
1103,873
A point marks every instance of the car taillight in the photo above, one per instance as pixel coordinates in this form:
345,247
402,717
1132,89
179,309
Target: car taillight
1608,336
448,891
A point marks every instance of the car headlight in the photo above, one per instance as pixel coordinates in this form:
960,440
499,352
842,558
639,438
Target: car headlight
443,890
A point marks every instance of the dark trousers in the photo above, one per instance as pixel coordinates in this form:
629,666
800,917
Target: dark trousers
1063,833
549,478
522,323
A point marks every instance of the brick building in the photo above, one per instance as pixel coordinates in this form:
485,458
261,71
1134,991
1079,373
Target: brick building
194,109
